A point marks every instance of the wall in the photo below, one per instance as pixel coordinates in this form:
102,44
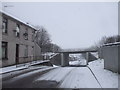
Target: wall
37,52
56,60
110,56
64,59
91,57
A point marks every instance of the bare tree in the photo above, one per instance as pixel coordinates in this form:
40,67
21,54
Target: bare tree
42,37
117,38
105,40
55,48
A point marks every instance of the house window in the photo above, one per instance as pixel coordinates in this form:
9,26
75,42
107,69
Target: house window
33,37
17,30
4,25
4,50
33,33
26,51
26,34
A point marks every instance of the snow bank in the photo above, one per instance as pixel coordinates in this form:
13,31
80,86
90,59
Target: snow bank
106,78
21,66
11,68
55,66
78,62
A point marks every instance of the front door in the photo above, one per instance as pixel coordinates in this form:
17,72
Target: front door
17,53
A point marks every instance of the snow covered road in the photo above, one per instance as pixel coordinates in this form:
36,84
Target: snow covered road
71,77
25,79
92,76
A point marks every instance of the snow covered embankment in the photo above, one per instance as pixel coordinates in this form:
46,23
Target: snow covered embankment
106,78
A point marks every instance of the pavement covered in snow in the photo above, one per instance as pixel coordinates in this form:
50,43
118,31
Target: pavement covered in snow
20,66
106,78
23,71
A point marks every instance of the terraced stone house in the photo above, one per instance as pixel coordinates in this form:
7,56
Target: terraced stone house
18,45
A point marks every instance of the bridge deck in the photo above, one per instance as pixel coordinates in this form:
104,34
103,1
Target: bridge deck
77,51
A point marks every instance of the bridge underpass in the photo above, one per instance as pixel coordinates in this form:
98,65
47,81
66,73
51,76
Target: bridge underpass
76,60
65,56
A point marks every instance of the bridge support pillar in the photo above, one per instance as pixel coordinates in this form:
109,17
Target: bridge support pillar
64,59
87,57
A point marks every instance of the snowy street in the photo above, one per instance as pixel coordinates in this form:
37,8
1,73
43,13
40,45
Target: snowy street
23,78
63,77
61,45
71,77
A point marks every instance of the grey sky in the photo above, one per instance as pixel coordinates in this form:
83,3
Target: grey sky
71,25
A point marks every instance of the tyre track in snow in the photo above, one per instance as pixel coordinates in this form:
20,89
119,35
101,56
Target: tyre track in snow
79,77
95,76
65,77
57,74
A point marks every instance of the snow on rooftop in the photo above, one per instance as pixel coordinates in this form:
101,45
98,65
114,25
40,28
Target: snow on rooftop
110,44
26,23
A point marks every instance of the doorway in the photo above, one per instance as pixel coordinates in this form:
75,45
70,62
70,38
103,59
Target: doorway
17,53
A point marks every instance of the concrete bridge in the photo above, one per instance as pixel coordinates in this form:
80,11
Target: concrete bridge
64,56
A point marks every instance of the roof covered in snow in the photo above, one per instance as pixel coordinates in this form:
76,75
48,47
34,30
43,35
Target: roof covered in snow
19,20
110,44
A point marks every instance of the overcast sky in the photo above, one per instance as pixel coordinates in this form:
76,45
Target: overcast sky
71,25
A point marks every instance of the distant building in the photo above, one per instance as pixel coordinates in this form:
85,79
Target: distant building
17,44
